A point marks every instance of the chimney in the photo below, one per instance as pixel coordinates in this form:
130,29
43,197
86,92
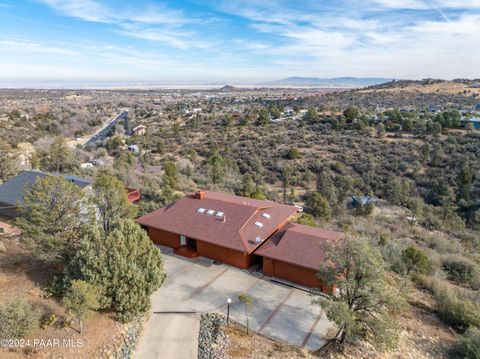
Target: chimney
200,195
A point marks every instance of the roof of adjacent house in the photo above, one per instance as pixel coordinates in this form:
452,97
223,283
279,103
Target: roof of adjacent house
363,200
12,191
227,220
298,244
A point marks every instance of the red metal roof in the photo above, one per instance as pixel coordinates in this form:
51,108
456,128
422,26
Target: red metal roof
237,229
298,244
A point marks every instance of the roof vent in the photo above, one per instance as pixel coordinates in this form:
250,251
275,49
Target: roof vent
201,210
266,215
259,224
258,240
210,212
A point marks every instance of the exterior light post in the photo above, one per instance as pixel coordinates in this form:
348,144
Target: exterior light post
229,301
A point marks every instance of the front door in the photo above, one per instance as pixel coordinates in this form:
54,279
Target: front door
183,241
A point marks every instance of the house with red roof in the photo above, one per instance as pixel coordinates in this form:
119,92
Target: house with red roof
295,253
241,232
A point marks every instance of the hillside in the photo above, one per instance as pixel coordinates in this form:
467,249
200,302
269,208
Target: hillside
328,82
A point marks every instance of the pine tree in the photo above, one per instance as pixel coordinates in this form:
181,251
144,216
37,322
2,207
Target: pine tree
79,300
54,216
8,161
465,182
111,200
364,301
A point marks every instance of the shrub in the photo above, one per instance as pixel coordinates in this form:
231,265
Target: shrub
392,254
48,320
306,219
415,259
17,318
468,346
460,269
455,309
293,153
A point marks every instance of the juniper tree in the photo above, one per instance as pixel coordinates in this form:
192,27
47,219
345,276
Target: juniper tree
125,267
170,175
364,301
248,186
318,206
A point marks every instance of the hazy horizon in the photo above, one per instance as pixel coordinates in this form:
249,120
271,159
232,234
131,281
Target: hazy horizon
237,42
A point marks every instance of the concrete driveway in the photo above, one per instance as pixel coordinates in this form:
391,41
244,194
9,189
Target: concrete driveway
199,285
171,335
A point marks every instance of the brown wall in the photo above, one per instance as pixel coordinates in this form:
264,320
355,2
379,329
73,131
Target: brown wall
292,273
222,254
165,238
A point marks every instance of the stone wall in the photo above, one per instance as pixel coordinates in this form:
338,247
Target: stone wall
212,340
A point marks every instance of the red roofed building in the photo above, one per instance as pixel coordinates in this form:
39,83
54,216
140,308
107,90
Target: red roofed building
241,232
295,253
217,225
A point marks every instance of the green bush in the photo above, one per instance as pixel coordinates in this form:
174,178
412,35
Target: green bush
17,318
468,346
48,321
456,309
460,269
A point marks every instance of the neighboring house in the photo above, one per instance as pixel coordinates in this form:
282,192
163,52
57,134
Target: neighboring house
241,232
13,191
362,200
139,130
134,148
475,121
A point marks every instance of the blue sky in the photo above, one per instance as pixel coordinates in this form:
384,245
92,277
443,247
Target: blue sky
236,41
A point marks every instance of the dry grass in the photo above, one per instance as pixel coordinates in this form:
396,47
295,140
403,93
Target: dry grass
255,346
22,276
444,87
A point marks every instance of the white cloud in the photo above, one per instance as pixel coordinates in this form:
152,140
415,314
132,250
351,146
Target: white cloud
9,45
153,23
426,4
90,10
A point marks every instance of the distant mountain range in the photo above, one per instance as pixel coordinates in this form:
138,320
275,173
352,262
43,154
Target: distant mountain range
336,81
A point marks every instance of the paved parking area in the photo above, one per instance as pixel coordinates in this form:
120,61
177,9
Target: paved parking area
278,311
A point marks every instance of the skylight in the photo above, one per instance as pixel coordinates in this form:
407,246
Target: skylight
266,215
210,212
259,224
201,210
220,214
